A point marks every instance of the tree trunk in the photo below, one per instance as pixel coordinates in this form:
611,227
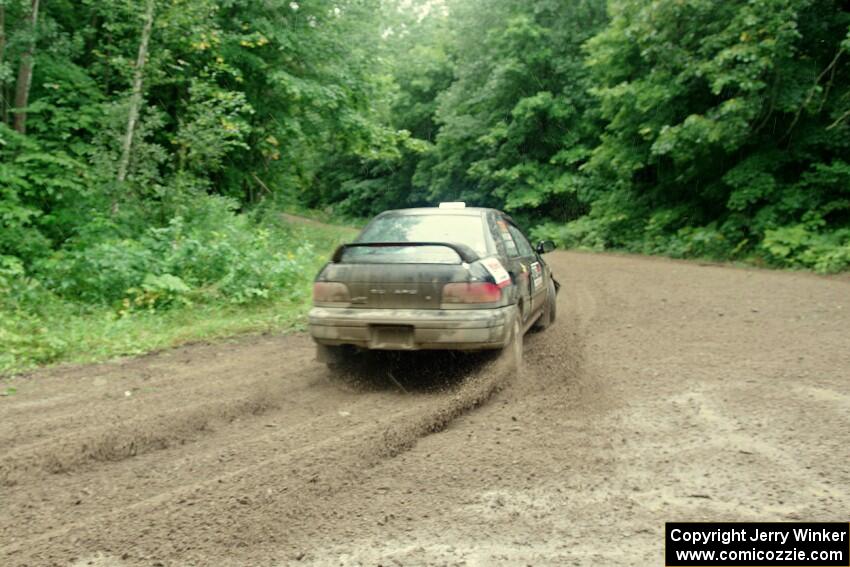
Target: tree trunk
136,96
3,104
22,87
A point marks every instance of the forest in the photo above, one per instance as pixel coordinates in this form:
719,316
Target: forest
148,147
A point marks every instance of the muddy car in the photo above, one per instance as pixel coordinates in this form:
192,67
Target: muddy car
444,278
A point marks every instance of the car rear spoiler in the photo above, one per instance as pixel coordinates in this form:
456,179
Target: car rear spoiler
466,253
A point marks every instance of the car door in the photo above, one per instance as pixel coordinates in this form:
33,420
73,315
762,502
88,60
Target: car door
535,269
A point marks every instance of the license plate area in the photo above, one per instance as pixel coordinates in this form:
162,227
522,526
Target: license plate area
394,337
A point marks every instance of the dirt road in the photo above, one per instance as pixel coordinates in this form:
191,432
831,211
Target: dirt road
665,391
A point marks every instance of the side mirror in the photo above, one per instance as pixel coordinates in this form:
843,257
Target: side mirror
545,246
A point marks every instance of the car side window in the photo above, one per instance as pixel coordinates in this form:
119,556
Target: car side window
525,248
504,233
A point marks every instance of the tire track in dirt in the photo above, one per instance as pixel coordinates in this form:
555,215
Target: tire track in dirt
128,438
79,398
114,426
262,459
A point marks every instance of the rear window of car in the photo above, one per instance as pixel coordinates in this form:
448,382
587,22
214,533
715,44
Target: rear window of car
456,229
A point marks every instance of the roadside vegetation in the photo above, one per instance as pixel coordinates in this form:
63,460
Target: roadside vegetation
148,147
208,275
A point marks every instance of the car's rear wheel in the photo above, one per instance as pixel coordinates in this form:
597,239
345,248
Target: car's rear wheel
512,352
550,310
333,356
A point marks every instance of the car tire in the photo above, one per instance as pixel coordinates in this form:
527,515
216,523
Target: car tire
550,311
333,356
512,351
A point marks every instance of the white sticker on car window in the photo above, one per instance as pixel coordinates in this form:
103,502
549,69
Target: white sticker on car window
497,271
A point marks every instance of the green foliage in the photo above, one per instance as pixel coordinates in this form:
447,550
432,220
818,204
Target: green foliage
37,187
241,98
243,106
802,246
208,253
514,124
41,325
158,291
723,112
23,333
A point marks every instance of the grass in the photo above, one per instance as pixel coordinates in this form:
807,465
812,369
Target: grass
72,333
327,215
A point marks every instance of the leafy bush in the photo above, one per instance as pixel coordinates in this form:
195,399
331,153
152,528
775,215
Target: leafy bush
803,247
209,273
157,292
37,184
209,253
691,242
23,332
101,273
580,233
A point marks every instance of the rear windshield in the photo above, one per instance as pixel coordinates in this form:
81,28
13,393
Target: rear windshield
457,229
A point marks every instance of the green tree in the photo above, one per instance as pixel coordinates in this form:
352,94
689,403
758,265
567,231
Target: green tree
723,122
416,67
516,123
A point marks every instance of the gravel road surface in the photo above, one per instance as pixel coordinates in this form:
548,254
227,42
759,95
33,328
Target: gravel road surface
666,391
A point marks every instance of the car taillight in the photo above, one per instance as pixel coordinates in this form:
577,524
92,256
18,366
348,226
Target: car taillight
330,292
471,292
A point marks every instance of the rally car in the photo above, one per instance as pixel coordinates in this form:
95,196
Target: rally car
446,278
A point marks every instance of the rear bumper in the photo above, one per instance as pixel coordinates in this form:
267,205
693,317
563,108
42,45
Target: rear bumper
412,329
